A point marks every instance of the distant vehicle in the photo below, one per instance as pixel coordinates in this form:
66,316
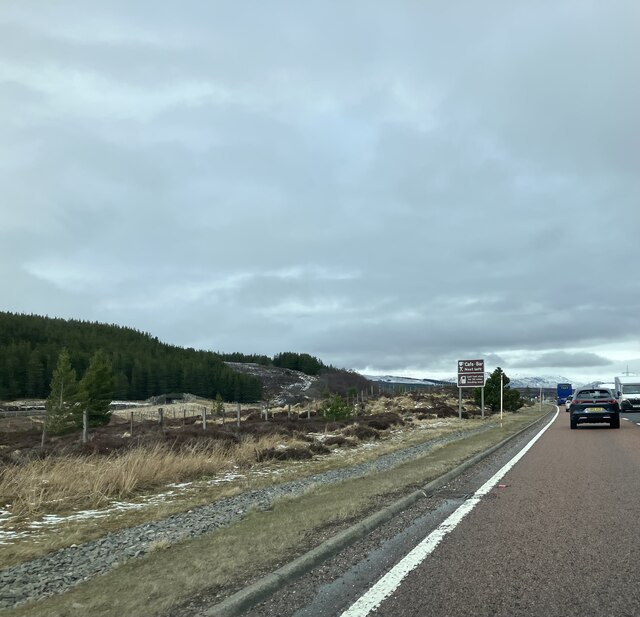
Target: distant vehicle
562,391
567,403
594,405
628,392
609,386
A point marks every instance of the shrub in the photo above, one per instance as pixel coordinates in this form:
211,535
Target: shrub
337,409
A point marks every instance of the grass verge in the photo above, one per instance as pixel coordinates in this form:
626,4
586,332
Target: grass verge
236,555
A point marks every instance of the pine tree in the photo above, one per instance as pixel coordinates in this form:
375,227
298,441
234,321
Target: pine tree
337,408
97,387
62,405
218,407
511,399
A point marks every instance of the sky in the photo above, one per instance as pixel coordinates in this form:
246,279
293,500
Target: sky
388,186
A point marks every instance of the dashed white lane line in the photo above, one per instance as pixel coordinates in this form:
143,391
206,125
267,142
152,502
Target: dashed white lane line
392,579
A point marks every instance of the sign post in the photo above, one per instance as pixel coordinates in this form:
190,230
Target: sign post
470,375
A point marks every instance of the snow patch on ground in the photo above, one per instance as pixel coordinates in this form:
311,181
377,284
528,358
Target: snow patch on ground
36,528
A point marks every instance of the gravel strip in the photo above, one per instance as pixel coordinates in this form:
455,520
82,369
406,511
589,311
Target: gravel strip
65,568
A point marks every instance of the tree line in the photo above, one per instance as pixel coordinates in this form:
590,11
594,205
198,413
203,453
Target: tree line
142,366
303,362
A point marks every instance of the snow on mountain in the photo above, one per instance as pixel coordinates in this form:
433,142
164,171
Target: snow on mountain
533,382
411,381
544,381
517,381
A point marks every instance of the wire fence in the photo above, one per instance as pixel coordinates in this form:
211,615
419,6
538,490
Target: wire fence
199,411
225,413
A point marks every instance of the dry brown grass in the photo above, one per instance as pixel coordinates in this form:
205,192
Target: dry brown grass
59,484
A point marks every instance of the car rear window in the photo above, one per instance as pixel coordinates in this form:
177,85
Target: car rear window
591,394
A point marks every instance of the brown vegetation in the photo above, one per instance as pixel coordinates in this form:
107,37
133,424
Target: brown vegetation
122,460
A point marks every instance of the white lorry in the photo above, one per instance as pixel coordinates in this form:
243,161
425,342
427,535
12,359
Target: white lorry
609,386
628,392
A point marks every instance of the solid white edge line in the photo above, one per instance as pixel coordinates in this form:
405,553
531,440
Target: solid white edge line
375,595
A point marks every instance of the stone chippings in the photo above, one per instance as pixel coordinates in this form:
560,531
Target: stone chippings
63,569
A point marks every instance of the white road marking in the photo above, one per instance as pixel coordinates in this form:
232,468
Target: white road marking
375,595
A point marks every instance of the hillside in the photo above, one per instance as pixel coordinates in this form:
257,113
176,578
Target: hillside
143,366
282,386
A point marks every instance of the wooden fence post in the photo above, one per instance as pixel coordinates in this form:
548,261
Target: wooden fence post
160,417
85,426
238,418
204,418
131,429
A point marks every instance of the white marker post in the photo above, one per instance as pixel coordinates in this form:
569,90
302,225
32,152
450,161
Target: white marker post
540,398
501,394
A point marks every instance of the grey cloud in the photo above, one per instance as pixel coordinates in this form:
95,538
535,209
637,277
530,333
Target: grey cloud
444,187
563,359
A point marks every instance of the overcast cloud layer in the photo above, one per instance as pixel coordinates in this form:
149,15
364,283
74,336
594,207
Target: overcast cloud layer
389,186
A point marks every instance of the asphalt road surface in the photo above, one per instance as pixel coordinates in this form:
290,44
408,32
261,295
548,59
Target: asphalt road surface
556,535
631,417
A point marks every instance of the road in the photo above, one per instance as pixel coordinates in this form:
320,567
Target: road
631,417
556,535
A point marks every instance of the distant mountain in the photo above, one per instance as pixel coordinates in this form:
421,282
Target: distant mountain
544,381
533,382
517,381
410,381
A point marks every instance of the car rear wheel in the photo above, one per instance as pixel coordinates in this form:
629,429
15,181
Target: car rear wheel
615,422
574,422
